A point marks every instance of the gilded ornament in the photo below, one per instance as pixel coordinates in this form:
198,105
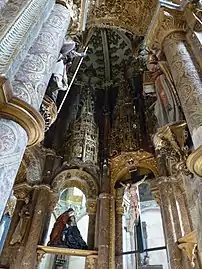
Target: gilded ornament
17,110
48,111
194,162
126,15
188,244
165,22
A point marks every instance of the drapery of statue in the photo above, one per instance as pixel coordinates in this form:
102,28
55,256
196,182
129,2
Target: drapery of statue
65,232
59,81
20,230
167,107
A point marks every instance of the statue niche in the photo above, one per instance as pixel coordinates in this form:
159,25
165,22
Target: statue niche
159,82
65,232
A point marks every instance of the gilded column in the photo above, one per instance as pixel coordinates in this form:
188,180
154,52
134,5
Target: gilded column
119,229
91,209
20,101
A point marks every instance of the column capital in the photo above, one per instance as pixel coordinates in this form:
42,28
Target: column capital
165,22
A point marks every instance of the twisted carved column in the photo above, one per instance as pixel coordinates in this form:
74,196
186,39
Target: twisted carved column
119,229
24,124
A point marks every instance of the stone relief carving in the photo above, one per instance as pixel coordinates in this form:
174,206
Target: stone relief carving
35,72
126,15
17,12
76,178
13,142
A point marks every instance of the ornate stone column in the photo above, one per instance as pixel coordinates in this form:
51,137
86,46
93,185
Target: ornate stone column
119,229
20,23
91,209
170,221
20,101
168,34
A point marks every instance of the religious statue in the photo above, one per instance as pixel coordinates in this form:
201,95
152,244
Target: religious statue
20,230
59,79
65,232
167,107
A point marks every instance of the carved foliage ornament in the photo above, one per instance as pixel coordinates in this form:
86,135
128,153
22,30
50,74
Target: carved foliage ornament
166,22
125,15
48,111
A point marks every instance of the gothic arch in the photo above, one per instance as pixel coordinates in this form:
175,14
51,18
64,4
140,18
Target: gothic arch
76,178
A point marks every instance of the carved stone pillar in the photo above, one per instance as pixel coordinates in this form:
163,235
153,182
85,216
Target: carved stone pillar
16,35
104,230
91,209
170,222
29,90
13,143
168,34
29,259
119,229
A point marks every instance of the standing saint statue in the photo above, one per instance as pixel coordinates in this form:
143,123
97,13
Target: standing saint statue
20,230
167,107
59,81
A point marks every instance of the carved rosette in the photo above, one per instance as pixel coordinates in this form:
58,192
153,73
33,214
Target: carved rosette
166,22
125,15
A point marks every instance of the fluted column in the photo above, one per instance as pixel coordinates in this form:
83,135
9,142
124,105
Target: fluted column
119,229
21,100
91,209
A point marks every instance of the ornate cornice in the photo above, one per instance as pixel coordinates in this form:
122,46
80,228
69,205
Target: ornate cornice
165,22
125,15
17,110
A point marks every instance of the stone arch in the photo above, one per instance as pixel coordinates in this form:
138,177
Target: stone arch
128,161
76,178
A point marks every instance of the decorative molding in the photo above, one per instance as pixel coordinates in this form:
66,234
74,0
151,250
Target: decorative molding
194,162
76,178
126,15
165,22
17,110
66,251
188,244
